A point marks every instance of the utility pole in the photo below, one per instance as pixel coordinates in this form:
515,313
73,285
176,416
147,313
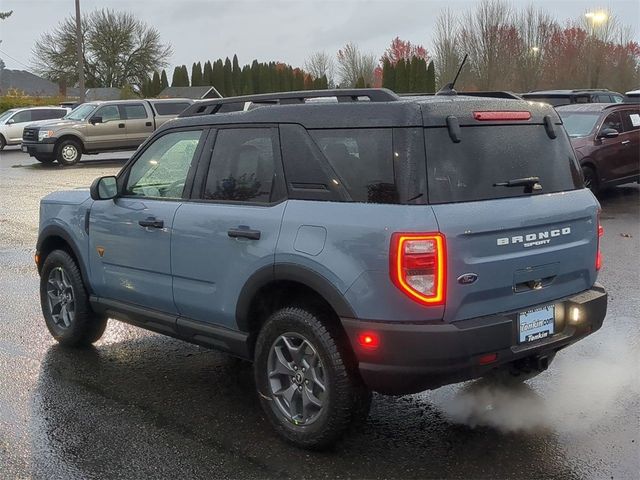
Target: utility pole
80,53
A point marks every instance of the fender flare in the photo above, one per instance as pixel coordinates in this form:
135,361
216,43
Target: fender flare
293,273
51,231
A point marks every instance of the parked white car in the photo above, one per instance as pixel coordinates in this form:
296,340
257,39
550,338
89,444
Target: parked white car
13,121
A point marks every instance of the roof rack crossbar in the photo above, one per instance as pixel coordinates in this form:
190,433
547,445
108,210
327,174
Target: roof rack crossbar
209,107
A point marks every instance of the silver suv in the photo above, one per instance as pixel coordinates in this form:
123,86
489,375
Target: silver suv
12,122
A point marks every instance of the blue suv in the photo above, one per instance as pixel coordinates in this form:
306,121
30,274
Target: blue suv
345,241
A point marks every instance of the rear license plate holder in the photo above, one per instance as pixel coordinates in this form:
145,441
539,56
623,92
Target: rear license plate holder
536,324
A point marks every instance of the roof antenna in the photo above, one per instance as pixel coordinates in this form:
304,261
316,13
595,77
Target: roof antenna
448,88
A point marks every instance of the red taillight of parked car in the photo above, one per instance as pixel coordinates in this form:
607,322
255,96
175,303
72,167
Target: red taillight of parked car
599,254
418,266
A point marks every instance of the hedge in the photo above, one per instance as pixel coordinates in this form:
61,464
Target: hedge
8,102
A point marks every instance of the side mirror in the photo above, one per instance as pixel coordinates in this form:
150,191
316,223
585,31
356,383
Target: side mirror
608,133
94,120
104,188
11,121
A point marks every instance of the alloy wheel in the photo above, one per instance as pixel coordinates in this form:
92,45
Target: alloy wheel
60,297
297,378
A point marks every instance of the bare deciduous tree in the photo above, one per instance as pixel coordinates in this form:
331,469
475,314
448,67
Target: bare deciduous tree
354,65
119,50
447,47
319,64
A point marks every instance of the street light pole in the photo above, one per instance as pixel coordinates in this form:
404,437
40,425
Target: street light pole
80,53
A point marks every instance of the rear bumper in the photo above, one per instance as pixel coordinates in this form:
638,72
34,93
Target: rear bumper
416,357
39,148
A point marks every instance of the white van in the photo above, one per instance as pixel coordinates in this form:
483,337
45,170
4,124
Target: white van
13,121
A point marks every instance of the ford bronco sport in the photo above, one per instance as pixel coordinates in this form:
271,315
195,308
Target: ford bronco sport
345,241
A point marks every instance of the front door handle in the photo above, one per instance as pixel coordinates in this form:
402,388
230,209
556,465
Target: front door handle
244,232
151,222
121,125
625,142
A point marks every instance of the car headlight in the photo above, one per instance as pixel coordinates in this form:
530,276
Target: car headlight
42,134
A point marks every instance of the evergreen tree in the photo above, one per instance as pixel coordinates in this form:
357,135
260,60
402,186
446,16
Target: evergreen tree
228,78
156,86
185,76
236,76
430,80
196,75
217,77
176,79
388,75
264,78
401,82
247,80
255,76
164,83
207,74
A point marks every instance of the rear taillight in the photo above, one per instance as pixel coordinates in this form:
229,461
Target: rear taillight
418,266
599,254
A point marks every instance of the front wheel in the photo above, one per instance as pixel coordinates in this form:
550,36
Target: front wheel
65,303
591,179
68,152
3,143
307,384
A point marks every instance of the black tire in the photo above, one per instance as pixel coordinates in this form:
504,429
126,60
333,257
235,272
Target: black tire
591,180
68,152
3,143
45,159
345,400
81,326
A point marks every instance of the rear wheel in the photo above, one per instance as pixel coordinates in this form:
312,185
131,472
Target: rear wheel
68,152
308,387
590,179
65,303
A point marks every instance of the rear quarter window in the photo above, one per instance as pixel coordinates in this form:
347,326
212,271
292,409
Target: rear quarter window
170,108
467,171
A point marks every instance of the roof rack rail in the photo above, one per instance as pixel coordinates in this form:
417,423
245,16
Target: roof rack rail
491,94
232,104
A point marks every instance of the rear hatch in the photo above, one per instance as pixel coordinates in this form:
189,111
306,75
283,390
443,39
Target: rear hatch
508,247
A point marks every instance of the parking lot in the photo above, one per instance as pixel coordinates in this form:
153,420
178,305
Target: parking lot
140,405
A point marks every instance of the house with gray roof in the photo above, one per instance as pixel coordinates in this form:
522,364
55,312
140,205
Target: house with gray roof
195,93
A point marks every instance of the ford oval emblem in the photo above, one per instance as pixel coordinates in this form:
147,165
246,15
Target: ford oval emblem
467,278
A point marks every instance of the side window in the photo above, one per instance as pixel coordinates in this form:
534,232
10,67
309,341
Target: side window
613,121
631,120
161,171
170,108
602,98
108,113
134,111
582,99
618,98
364,161
242,166
21,117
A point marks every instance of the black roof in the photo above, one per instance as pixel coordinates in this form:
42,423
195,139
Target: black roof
358,108
592,107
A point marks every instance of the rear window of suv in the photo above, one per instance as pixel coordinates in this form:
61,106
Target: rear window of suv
467,171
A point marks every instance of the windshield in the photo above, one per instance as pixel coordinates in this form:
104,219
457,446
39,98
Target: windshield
6,115
486,155
81,112
578,124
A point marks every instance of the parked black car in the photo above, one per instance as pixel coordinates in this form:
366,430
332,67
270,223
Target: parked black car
567,97
606,138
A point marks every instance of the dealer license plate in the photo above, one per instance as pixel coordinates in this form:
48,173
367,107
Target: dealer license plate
536,324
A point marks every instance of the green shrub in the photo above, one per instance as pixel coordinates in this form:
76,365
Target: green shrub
11,101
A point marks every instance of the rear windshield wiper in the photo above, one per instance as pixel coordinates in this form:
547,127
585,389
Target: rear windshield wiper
531,184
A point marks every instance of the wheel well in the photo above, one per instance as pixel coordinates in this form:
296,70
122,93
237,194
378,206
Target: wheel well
2,137
590,164
71,137
52,243
284,293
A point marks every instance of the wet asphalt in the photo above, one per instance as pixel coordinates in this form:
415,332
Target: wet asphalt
140,405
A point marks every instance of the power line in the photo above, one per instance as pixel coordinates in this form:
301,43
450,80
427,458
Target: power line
14,59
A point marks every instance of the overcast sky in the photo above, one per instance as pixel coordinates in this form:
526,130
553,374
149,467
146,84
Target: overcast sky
284,30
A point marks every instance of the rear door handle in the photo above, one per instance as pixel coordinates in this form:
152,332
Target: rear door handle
151,223
121,125
244,232
149,124
625,142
